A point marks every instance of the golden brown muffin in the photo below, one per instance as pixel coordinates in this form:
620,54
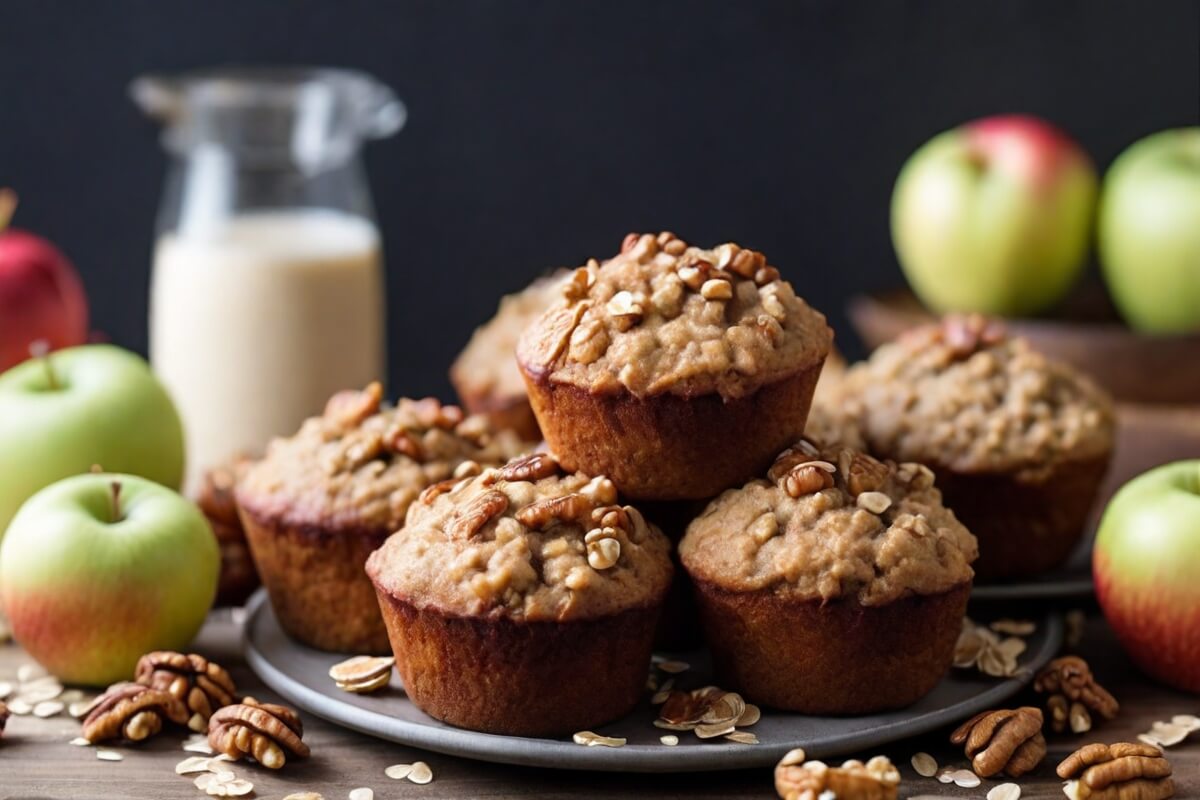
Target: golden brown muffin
676,371
319,502
523,601
836,586
1019,442
485,374
215,499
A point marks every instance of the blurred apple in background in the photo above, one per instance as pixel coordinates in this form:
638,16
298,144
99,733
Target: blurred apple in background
994,216
67,411
98,569
1146,564
1149,232
41,296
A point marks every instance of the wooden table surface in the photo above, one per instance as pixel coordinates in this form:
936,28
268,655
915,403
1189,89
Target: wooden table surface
36,760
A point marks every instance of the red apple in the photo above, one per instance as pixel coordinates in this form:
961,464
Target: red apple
41,296
1147,570
994,216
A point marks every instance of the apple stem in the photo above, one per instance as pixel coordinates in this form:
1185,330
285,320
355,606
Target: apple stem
8,206
41,349
116,501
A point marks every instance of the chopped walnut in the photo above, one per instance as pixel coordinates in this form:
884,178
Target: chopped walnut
541,514
469,519
1073,694
131,711
268,732
861,472
806,479
201,685
350,407
965,335
532,467
1122,771
1007,740
878,779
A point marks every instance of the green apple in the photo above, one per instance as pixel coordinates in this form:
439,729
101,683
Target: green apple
1149,232
1146,565
994,216
83,406
98,569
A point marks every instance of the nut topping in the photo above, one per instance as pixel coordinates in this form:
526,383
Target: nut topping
468,520
132,711
861,472
716,289
1122,771
878,779
350,407
1073,694
806,479
266,731
541,514
201,685
532,467
625,309
603,553
1008,741
965,335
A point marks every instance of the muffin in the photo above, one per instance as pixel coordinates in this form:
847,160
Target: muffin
676,371
837,585
1019,442
485,374
523,601
322,500
215,499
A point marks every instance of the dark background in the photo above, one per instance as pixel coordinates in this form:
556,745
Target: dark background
541,132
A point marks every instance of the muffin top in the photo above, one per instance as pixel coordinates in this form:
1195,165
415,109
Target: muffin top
964,395
831,523
360,465
666,317
528,542
488,364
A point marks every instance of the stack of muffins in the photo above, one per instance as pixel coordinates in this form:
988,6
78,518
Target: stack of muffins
520,587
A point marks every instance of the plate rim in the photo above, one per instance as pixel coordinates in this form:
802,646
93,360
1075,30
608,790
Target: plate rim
501,749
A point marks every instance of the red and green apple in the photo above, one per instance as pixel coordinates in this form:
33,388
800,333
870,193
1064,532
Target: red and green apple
41,296
83,406
1146,565
100,568
1149,232
994,216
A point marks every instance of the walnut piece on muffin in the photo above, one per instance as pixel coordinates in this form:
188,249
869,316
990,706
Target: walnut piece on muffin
320,501
1020,442
539,574
486,375
668,356
836,585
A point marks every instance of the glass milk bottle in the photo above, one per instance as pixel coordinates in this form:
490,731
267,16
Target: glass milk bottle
267,293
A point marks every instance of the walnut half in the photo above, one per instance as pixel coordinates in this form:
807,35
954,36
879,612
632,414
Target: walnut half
201,685
1006,740
266,731
1073,694
131,711
878,779
1121,771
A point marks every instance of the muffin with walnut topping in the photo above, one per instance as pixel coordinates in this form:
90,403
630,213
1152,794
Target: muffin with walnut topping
1020,443
322,500
835,586
485,374
676,371
523,601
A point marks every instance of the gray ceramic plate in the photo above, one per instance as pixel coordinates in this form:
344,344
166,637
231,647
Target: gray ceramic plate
300,675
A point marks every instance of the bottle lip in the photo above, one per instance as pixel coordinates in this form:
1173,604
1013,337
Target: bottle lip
374,110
